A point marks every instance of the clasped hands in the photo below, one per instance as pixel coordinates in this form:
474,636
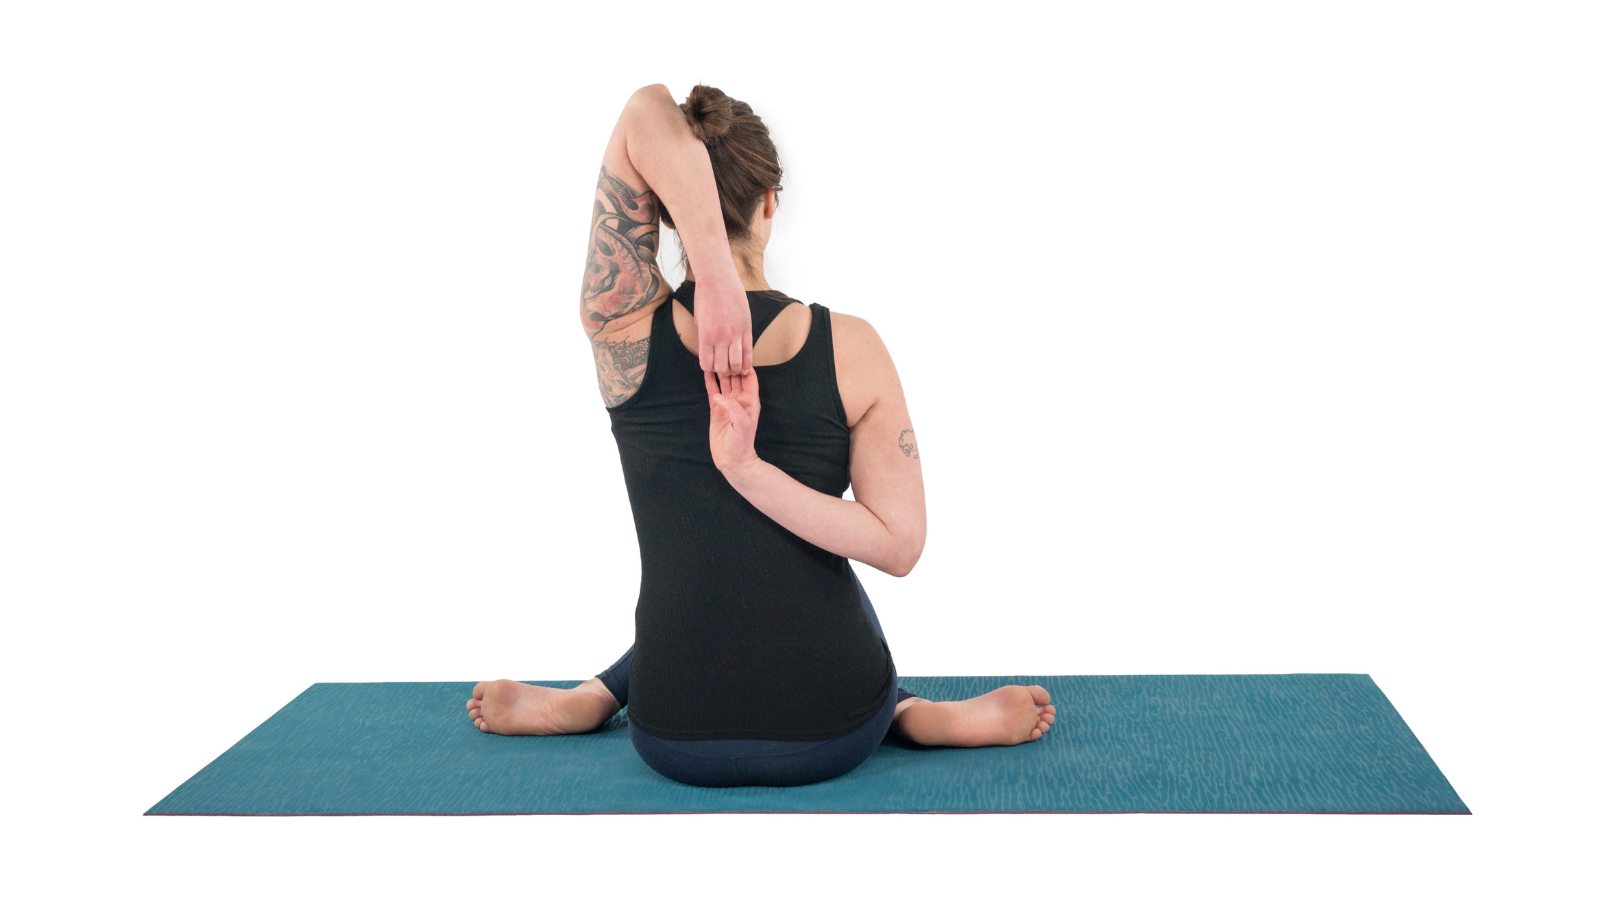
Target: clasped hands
722,317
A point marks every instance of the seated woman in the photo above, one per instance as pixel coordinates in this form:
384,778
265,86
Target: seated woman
741,416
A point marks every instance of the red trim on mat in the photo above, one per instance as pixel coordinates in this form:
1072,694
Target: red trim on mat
825,812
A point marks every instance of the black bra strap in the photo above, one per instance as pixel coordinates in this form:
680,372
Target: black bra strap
762,312
765,306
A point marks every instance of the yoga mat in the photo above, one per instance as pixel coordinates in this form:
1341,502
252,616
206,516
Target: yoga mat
1128,743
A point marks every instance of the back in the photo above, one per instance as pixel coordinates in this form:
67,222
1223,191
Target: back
743,630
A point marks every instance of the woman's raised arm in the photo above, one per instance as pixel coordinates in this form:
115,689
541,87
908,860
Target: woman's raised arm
652,153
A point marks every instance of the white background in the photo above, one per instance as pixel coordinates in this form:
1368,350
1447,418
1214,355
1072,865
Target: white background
1237,337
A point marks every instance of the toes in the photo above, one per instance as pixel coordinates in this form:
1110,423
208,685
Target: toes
1048,718
477,690
1041,697
483,724
474,703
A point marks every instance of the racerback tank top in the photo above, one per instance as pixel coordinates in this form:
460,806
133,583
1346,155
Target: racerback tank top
743,630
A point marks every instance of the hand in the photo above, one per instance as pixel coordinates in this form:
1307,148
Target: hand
735,409
722,316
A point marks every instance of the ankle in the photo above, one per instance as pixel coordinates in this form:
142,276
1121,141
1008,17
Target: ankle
920,719
601,696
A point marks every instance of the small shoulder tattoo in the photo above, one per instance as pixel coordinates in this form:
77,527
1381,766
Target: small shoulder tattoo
908,444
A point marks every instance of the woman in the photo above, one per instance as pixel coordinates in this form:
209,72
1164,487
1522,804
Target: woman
741,416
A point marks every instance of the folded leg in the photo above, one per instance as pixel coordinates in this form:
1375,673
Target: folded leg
615,679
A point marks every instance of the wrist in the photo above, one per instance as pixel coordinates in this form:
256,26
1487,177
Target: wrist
719,275
742,474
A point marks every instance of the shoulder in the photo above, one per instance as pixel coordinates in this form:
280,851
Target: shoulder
862,364
856,339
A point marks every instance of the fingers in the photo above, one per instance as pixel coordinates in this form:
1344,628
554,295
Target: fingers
738,390
737,416
727,358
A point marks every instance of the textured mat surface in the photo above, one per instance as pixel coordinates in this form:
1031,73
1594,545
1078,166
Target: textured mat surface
1133,743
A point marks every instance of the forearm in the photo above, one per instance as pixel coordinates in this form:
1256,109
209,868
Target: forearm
674,162
845,527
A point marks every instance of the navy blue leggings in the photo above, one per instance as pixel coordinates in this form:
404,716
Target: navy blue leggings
735,763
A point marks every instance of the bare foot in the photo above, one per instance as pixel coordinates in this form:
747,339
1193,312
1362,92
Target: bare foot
1010,715
511,707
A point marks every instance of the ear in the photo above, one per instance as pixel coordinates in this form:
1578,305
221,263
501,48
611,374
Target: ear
769,204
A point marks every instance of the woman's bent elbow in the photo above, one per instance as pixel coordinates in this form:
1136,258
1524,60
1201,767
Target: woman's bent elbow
902,566
653,92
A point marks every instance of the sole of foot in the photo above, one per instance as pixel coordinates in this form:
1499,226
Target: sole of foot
513,708
1014,714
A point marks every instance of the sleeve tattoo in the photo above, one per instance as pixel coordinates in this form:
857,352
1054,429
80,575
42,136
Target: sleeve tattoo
621,276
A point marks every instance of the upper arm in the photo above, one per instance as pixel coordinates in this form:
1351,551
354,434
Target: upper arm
885,465
622,281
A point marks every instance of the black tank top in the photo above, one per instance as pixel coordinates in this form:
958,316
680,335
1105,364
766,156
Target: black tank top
743,629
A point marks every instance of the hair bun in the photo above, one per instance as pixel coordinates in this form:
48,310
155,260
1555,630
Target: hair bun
709,112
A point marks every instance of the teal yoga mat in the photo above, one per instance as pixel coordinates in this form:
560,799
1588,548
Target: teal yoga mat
1121,743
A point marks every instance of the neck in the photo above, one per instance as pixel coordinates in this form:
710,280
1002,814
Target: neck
754,279
751,273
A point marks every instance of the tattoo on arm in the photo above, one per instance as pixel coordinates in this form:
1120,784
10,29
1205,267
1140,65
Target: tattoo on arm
908,444
621,367
621,275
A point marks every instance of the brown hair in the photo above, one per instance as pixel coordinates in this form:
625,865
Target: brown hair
743,158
